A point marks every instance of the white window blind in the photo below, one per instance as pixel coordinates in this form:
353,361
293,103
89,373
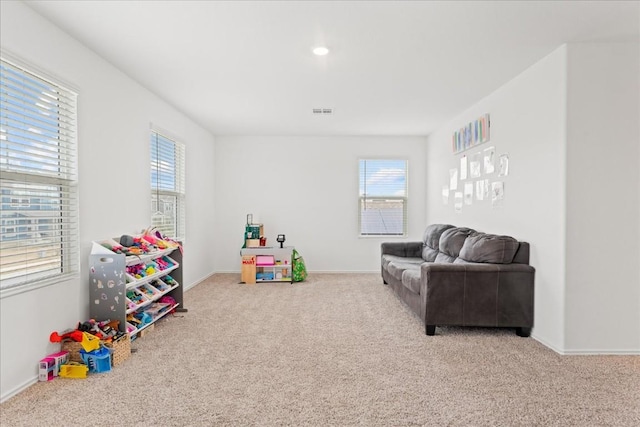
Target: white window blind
167,185
38,179
383,197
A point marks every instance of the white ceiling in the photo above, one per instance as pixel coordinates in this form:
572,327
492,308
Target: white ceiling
395,67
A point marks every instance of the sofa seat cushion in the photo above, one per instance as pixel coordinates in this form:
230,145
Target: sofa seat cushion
411,280
386,259
489,248
396,268
431,240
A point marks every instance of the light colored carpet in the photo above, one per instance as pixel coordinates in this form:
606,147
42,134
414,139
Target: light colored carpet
337,350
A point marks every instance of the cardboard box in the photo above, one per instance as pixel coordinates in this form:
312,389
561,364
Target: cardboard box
248,272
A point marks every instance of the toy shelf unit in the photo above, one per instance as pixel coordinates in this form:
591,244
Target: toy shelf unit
266,264
130,288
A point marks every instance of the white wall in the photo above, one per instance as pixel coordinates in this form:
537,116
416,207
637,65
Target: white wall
603,204
114,115
527,122
570,126
307,189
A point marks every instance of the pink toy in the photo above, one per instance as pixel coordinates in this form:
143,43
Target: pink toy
49,367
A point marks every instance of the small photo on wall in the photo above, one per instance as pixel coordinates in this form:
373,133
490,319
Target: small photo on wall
489,160
475,165
453,179
458,201
480,190
468,193
503,165
463,167
497,193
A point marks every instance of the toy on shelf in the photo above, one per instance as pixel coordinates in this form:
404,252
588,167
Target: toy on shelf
164,263
144,318
135,299
155,237
160,285
148,291
138,271
130,328
156,309
169,280
151,240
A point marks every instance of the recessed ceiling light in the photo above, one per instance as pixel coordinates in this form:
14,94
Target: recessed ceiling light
320,51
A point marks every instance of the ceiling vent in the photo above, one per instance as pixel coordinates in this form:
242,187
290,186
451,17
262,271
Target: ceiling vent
322,111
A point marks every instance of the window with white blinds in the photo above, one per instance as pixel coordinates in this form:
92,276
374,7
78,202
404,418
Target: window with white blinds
38,180
167,185
383,197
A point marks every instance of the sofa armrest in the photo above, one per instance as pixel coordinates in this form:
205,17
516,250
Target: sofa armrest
478,294
403,249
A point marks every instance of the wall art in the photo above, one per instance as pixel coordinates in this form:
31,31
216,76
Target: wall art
503,165
458,201
468,193
480,189
463,167
453,179
445,194
489,160
497,193
475,165
474,133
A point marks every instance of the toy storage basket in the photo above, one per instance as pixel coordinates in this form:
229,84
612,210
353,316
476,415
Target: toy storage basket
121,350
74,350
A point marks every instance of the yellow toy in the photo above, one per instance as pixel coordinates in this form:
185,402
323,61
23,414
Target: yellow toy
73,370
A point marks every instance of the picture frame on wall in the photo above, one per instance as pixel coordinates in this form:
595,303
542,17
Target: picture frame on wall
472,134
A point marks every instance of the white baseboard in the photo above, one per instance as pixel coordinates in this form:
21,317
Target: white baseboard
197,282
22,387
607,352
586,352
545,343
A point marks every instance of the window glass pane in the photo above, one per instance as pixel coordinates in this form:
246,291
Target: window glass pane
164,214
382,217
163,163
383,197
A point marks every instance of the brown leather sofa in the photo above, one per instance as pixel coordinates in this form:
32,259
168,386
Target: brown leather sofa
459,276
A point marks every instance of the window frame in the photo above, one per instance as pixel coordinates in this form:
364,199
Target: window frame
179,174
362,198
55,183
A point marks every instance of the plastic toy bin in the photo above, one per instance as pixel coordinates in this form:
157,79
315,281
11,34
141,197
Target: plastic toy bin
98,361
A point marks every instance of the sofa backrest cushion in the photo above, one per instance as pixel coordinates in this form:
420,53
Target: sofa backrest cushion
451,242
522,254
431,240
489,248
